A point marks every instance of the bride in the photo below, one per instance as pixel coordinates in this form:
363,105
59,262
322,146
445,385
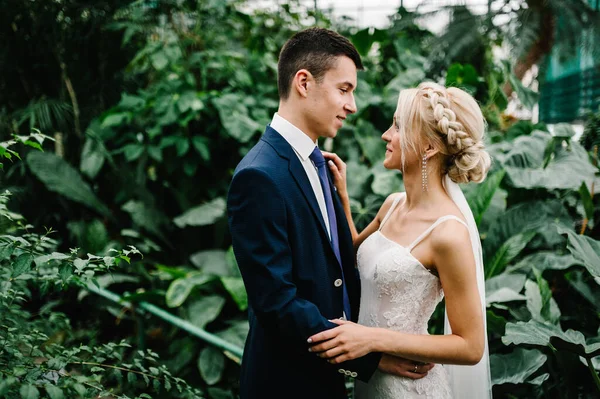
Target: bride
422,245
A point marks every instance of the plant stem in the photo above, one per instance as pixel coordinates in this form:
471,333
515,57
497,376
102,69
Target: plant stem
594,373
118,368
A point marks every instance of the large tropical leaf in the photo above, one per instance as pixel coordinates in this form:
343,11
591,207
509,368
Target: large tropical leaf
202,215
540,304
507,252
147,217
543,334
569,169
369,139
358,176
180,289
532,332
515,367
214,261
586,288
528,97
237,290
574,341
585,249
523,217
60,177
205,309
526,151
504,288
235,118
211,364
386,181
480,196
544,260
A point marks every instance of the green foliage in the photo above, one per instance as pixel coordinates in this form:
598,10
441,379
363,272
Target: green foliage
178,92
39,353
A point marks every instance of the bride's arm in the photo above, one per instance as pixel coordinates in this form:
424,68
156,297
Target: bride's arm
453,258
338,171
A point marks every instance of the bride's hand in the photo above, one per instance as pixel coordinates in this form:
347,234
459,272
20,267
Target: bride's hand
404,367
338,171
346,342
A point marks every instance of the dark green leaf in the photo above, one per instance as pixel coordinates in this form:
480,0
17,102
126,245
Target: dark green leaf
201,145
542,307
5,384
585,249
574,341
480,197
544,260
116,119
29,392
504,288
515,367
7,250
235,287
507,252
205,309
214,261
178,292
211,364
528,97
202,215
22,264
62,178
234,117
92,157
531,333
133,151
182,146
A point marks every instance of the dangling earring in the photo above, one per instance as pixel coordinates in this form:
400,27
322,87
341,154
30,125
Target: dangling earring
424,172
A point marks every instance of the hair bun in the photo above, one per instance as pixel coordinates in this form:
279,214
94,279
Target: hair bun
470,164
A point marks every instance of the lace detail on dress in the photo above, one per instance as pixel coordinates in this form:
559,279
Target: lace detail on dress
399,293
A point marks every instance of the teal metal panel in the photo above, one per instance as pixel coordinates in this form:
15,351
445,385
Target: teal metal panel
568,98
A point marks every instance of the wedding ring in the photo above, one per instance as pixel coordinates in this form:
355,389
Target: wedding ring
415,370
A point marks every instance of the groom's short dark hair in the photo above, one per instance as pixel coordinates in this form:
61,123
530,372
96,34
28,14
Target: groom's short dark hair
313,49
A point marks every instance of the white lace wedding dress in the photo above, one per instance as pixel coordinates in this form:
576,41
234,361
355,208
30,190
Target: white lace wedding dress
400,294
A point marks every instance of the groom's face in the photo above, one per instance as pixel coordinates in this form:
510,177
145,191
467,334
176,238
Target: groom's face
332,99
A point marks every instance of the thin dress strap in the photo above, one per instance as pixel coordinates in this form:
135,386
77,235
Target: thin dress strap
433,226
389,212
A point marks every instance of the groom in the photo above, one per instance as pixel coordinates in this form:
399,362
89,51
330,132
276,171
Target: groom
290,237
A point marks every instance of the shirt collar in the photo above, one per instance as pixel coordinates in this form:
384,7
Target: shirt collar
300,142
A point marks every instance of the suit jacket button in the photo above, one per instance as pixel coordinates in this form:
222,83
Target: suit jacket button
353,375
341,371
338,282
348,373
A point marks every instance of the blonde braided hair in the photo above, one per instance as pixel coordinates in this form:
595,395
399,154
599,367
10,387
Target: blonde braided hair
432,110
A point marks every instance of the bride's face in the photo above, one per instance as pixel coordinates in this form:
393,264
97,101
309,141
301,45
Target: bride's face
393,153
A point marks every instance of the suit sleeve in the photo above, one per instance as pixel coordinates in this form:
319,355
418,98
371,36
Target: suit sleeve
258,225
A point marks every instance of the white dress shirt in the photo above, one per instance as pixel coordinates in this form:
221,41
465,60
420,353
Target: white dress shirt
303,146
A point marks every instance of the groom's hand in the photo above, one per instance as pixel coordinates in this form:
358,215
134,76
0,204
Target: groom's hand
404,367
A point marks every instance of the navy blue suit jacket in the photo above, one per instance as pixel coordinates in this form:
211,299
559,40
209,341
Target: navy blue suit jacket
289,268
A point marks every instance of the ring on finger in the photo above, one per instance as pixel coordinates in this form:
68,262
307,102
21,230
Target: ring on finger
415,370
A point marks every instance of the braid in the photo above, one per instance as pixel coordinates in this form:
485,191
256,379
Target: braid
467,161
458,139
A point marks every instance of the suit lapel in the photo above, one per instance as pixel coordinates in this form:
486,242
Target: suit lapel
297,171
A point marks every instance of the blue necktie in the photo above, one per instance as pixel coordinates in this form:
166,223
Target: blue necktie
320,163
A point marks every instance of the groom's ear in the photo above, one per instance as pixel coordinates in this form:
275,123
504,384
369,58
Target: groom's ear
301,82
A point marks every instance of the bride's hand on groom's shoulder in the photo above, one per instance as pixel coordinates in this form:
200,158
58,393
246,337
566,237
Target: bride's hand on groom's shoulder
346,342
338,171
